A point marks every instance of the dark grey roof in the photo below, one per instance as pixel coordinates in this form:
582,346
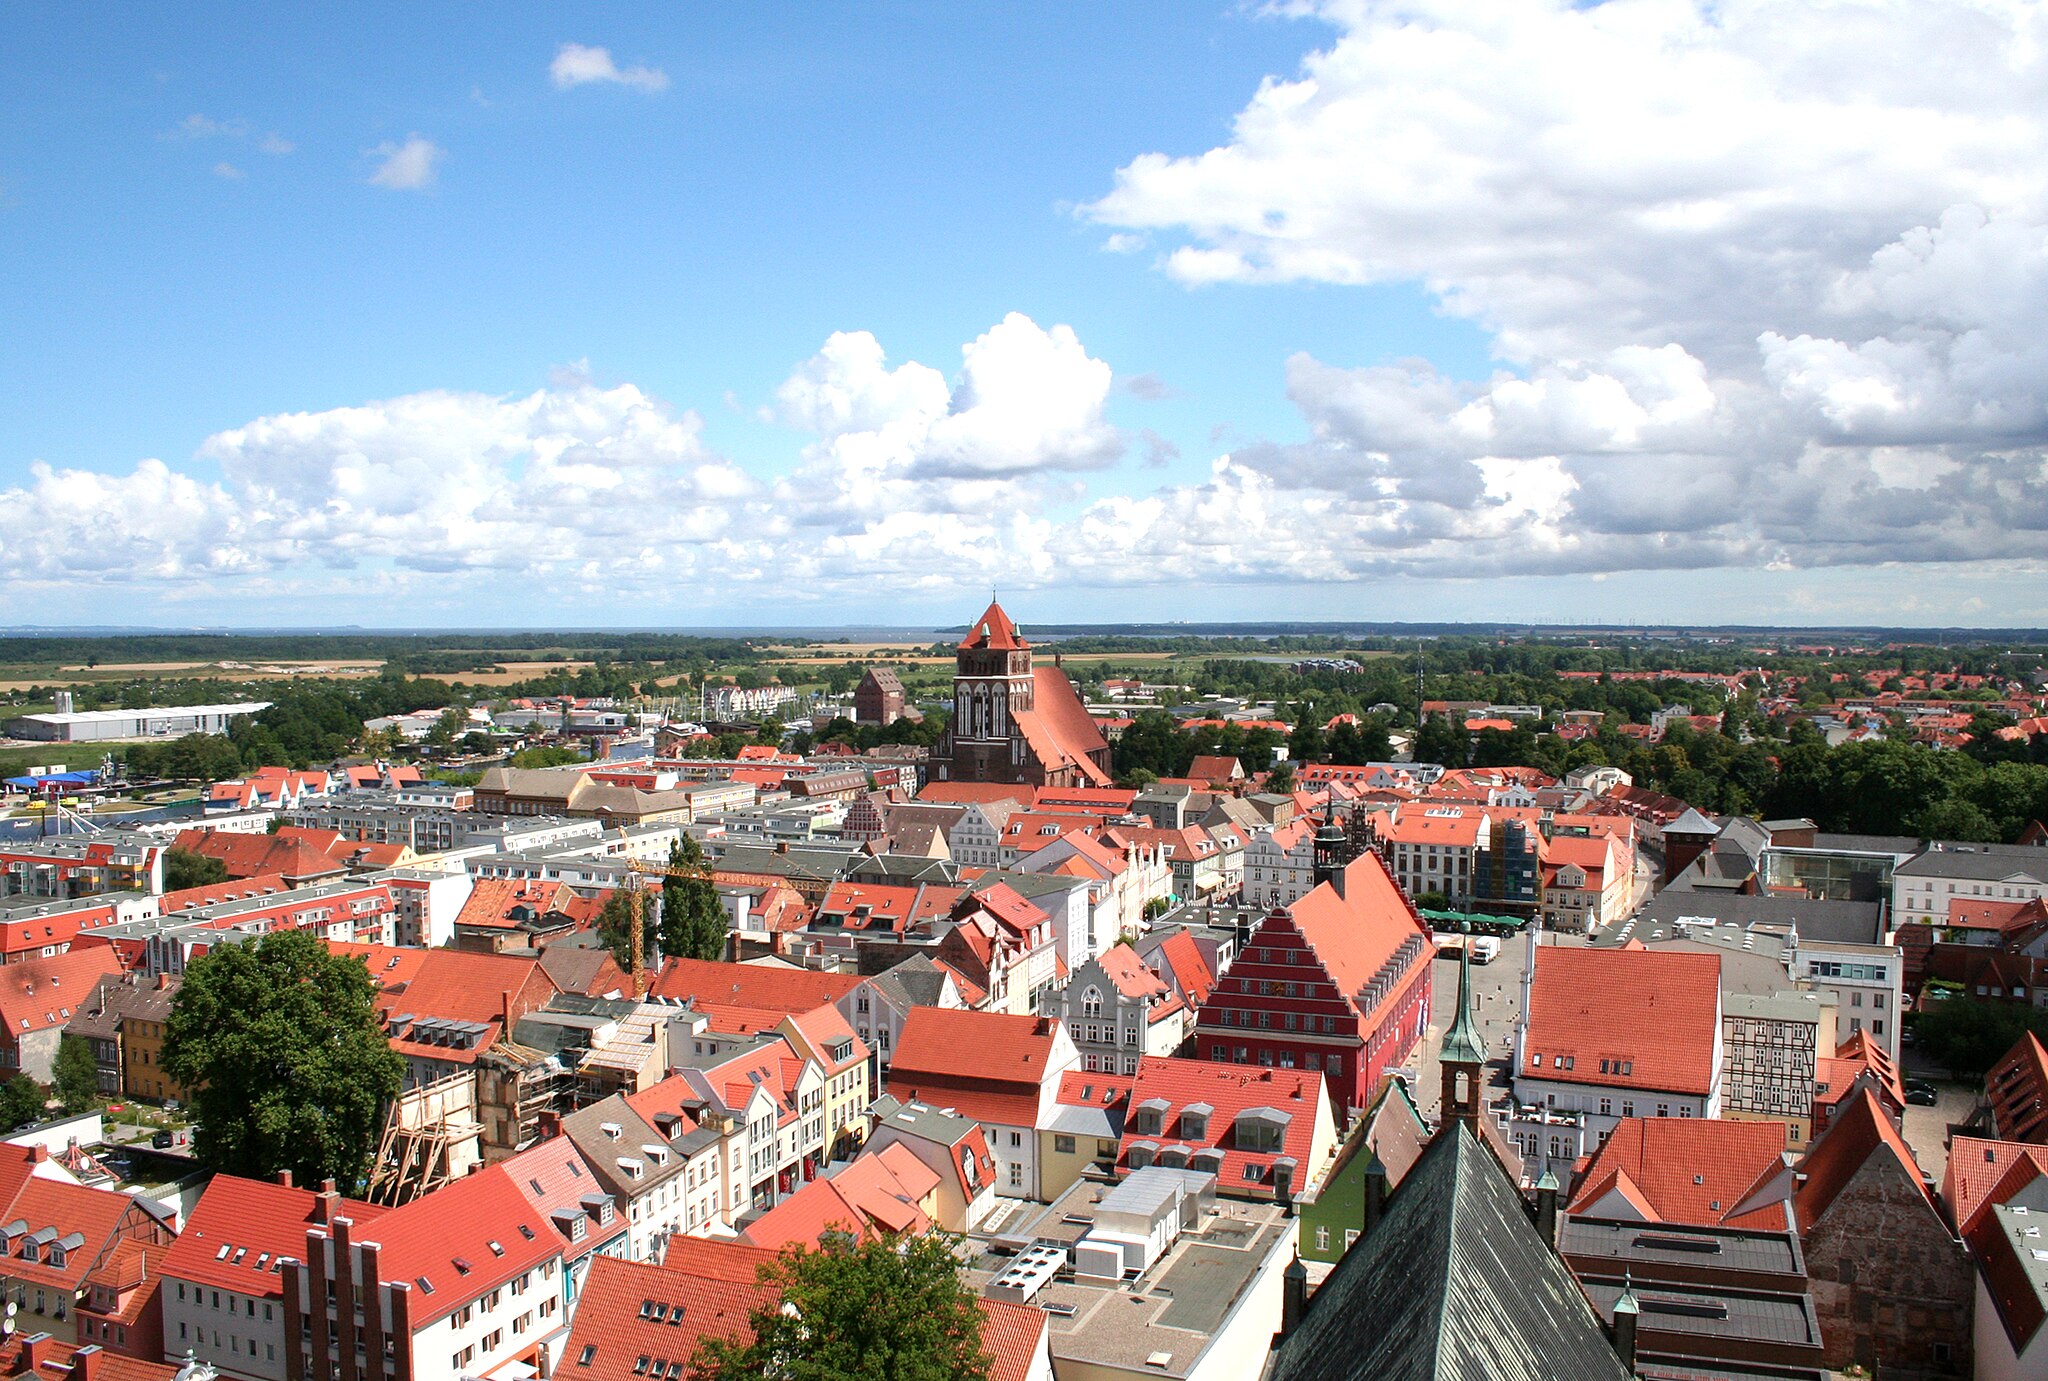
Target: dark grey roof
903,868
1850,922
1453,1283
1981,861
916,982
1863,844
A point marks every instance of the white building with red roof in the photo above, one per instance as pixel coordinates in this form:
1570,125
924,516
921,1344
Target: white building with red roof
1280,864
953,1146
1000,1070
467,1281
1337,984
1608,1034
1117,1008
224,1293
1265,1133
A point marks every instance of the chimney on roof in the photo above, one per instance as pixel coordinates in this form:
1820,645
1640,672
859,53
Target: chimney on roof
38,1153
85,1363
549,1124
36,1349
284,1177
327,1203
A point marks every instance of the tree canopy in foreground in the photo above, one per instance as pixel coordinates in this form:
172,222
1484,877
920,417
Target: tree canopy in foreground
889,1309
280,1043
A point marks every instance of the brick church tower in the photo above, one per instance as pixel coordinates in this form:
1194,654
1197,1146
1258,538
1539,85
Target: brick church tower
1013,722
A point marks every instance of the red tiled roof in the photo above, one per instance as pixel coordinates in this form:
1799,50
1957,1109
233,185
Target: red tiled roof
988,1065
1696,1171
1632,1018
1058,725
1132,977
1190,970
744,998
1860,1131
994,631
462,1240
615,1329
1982,1174
1227,1089
866,1197
240,1228
1014,1335
1356,932
215,892
296,854
59,1358
38,994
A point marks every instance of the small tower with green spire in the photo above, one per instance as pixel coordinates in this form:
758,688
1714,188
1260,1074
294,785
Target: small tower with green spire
1463,1059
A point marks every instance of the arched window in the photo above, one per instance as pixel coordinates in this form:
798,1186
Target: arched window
1091,1002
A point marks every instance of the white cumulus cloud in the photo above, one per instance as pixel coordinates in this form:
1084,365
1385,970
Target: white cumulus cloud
407,166
578,64
1770,283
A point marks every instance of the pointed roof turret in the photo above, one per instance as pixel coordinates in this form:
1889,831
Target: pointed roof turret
994,631
1463,1043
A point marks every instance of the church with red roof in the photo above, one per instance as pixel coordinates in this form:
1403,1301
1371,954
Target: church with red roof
1014,722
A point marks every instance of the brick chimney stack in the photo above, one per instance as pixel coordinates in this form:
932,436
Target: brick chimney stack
36,1349
85,1363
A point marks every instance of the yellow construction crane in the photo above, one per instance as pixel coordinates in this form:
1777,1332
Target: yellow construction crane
636,908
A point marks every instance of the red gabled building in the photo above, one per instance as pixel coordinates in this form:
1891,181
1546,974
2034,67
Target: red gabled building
1338,982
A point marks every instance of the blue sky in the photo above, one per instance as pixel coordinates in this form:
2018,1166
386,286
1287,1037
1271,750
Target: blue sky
1319,361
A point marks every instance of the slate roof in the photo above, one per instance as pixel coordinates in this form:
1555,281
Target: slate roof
1453,1283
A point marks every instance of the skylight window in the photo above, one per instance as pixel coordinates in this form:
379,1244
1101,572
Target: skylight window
425,1285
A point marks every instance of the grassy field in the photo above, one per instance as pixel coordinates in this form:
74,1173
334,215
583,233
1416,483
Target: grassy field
79,757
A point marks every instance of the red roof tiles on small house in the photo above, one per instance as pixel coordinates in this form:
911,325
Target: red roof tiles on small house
1982,1174
1702,1172
989,1066
1858,1132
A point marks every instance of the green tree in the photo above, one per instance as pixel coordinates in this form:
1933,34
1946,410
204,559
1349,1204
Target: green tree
280,1044
22,1100
615,926
692,922
892,1308
184,869
76,1074
1969,1036
448,727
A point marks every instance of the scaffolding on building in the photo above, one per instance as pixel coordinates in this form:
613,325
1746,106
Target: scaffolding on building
431,1137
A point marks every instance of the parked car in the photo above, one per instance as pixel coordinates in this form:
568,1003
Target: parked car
1921,1092
163,1141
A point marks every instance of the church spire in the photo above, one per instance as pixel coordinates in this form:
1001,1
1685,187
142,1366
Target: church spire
1463,1058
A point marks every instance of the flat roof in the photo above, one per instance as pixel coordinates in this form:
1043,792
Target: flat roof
1174,1311
112,716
